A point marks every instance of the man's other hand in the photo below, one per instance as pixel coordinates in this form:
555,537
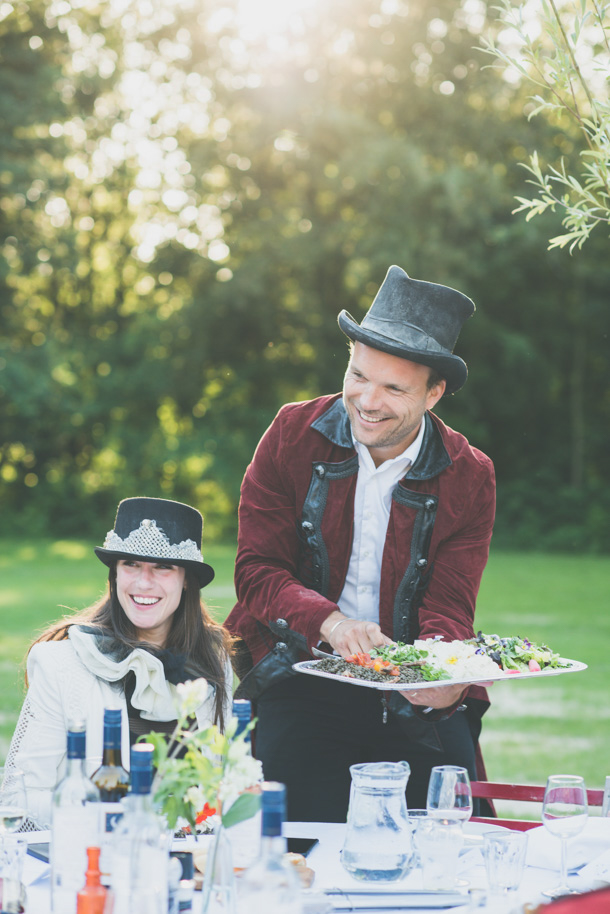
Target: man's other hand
438,697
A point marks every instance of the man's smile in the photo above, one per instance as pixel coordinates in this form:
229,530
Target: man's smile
364,418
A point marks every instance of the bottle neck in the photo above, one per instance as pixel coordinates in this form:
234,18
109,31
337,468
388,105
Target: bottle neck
111,757
272,846
242,723
93,876
139,802
75,768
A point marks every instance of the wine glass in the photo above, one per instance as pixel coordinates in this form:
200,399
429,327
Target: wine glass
12,800
564,814
449,793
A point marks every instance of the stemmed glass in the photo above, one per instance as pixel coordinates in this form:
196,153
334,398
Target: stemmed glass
449,793
450,797
564,814
12,800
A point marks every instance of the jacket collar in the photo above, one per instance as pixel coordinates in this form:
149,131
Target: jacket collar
433,457
334,425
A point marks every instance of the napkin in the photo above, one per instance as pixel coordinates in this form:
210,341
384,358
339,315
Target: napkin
544,849
598,871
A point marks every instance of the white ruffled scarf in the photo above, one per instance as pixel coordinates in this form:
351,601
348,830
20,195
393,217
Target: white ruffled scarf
154,697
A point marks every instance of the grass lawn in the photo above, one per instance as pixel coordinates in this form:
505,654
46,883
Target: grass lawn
559,725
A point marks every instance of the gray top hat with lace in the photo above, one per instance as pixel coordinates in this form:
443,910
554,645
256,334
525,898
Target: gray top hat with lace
415,320
157,530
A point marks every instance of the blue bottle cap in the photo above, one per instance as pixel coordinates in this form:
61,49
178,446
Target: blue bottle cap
242,710
112,716
77,740
112,728
141,768
273,808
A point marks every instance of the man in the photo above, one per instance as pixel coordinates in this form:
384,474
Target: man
364,519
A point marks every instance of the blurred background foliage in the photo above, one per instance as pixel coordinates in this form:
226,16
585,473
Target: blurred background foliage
192,191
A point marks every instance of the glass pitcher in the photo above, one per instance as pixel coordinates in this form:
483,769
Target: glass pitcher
378,844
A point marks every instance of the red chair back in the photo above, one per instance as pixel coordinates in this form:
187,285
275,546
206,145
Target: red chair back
523,793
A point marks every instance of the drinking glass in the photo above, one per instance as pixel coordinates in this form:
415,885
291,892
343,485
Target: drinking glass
12,800
414,817
504,854
449,793
564,814
439,842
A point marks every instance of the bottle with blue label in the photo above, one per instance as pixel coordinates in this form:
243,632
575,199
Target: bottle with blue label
75,825
245,837
112,781
140,844
271,884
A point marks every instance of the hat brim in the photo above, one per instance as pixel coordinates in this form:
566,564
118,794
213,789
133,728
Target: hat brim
203,572
451,367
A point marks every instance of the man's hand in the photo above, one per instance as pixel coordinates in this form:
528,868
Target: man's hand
438,697
352,636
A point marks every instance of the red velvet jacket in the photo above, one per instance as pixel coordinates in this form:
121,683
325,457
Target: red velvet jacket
295,531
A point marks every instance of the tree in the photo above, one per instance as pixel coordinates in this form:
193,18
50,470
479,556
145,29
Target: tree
218,197
564,52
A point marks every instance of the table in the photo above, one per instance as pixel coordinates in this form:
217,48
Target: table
541,870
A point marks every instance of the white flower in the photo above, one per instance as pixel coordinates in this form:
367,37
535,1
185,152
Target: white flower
460,660
196,797
241,774
191,695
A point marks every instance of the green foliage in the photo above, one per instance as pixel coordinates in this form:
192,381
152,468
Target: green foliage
567,60
178,234
555,517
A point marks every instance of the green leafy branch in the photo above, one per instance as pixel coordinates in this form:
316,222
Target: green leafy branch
549,61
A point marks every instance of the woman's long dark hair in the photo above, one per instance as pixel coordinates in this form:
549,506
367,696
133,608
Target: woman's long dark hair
193,633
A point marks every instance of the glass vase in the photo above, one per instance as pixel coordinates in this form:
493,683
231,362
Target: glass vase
219,888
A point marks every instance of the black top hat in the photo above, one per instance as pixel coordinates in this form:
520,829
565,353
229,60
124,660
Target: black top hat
157,530
415,320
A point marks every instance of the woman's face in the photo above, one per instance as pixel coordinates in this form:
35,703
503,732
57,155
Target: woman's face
149,593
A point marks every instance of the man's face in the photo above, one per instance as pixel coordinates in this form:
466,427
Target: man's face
385,398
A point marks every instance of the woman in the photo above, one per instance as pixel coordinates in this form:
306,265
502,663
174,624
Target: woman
148,632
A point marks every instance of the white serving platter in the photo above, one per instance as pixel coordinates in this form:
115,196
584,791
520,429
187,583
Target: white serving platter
310,667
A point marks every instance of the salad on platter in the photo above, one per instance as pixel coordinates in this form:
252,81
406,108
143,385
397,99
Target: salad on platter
518,654
480,658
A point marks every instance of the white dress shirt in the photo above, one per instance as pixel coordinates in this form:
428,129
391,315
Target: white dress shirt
372,504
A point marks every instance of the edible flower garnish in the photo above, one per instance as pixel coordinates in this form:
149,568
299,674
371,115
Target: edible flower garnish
518,654
377,664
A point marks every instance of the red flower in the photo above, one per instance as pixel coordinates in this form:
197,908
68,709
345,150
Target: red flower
205,813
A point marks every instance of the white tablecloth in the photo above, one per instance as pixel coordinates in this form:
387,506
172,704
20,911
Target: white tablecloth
324,859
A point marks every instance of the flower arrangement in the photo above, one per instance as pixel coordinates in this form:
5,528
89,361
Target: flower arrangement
201,771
